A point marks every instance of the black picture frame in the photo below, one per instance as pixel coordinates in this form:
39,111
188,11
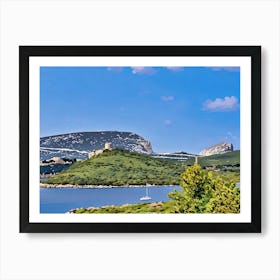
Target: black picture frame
254,52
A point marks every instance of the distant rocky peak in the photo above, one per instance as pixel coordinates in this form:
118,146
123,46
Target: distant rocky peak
219,148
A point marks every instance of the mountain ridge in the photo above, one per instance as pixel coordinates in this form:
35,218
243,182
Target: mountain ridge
79,144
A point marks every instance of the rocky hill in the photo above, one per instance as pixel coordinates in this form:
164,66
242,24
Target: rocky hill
78,145
219,148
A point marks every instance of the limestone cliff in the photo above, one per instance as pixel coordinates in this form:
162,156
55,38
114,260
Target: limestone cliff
219,148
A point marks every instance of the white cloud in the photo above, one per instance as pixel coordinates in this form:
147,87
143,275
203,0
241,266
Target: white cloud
226,104
227,68
167,98
115,69
143,70
167,122
231,137
175,69
140,70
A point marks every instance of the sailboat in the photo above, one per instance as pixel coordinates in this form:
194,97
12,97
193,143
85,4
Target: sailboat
146,197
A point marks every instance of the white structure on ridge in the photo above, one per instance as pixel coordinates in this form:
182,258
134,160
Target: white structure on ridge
107,146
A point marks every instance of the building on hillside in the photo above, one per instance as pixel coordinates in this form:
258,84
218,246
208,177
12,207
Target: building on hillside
107,146
212,168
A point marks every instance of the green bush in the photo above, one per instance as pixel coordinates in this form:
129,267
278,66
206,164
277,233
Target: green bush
203,193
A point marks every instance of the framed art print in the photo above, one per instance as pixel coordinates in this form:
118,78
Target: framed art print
140,138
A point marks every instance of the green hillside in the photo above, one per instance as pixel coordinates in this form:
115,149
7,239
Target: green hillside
120,167
230,158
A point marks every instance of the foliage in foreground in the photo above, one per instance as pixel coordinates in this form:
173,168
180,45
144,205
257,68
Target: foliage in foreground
155,207
203,193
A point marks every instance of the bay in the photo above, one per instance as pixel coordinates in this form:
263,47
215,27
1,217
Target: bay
61,200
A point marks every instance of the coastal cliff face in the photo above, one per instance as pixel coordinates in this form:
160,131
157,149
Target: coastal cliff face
78,145
219,148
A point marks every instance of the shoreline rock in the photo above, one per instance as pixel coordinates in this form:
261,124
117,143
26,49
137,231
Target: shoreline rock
151,204
54,186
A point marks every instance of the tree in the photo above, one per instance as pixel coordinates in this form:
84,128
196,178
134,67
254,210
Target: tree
204,194
225,198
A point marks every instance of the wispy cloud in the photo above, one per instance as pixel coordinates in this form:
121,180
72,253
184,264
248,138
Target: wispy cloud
140,70
229,136
233,139
143,70
115,69
167,98
226,104
167,122
175,68
226,68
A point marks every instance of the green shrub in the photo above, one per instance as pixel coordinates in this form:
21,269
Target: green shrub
203,193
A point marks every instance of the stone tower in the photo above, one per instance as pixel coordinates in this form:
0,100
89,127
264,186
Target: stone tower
107,146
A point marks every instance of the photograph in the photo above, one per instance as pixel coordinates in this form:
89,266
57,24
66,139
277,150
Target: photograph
139,140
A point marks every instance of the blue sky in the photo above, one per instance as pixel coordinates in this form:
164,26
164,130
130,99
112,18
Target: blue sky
176,108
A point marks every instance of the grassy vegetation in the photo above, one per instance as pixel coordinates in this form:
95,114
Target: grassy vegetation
156,207
202,192
120,167
228,175
231,159
228,165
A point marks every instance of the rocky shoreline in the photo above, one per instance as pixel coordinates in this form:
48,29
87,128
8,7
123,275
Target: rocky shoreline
49,186
75,211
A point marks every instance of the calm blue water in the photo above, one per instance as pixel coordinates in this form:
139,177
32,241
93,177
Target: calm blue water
63,200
